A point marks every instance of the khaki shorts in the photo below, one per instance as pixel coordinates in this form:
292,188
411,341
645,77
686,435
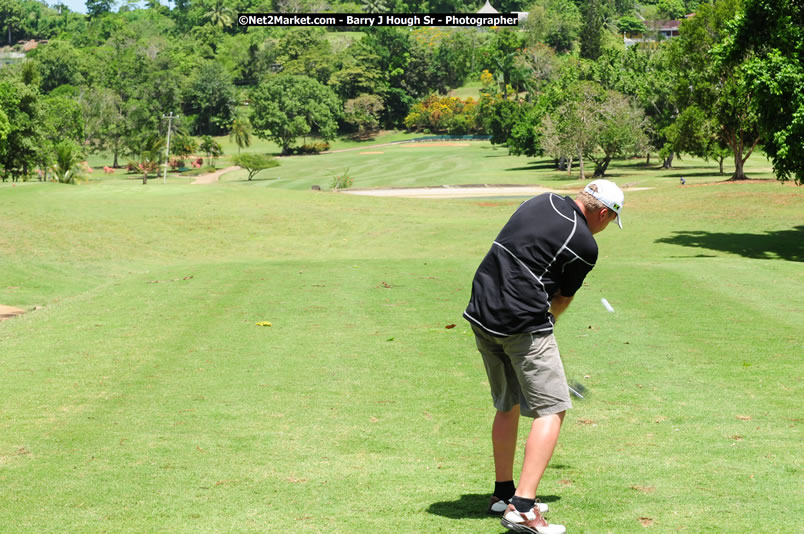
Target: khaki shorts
524,369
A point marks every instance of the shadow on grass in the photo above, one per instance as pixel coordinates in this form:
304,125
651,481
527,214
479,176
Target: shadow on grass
712,174
534,167
780,244
471,506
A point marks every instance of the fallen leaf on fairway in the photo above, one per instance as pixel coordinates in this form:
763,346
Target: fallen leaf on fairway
565,482
295,480
264,323
644,489
374,420
200,449
646,521
585,422
660,419
427,415
744,417
449,326
385,285
736,437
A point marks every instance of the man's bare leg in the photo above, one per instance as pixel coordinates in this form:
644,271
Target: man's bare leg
503,438
538,451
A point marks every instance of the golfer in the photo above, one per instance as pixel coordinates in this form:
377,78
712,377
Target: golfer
525,282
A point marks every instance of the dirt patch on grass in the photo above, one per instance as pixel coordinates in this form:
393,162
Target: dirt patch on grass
213,177
7,312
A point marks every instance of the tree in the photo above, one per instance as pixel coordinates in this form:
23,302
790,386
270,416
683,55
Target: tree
631,25
62,121
96,8
374,6
503,50
182,144
363,112
574,128
241,132
11,17
67,166
219,15
102,115
287,107
5,126
149,153
721,90
592,31
670,9
556,23
210,100
21,106
211,148
60,63
767,41
254,163
621,131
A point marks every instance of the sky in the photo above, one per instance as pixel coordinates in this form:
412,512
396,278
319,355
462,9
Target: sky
74,5
79,5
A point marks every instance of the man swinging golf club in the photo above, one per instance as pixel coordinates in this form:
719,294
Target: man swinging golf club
527,279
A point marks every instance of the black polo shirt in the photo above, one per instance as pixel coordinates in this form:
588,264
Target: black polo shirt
545,246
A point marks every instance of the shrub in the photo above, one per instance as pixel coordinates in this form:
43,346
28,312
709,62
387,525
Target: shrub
315,147
342,181
445,114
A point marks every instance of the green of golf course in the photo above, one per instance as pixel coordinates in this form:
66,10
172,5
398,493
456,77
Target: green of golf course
140,395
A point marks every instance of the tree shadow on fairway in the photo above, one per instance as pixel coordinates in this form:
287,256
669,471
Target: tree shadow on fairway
711,174
780,244
535,167
471,506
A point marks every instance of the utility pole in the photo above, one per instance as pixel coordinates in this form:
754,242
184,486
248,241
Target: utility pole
167,147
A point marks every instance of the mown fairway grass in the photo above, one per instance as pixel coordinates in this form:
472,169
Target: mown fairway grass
143,397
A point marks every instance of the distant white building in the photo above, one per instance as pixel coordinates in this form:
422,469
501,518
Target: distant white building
488,9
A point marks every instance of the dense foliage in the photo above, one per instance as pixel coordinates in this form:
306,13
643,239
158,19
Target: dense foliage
561,84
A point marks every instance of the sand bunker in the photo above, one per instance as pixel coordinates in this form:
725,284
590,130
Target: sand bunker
479,191
372,152
7,312
469,191
435,143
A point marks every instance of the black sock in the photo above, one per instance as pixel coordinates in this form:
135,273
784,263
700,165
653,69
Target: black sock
504,490
523,505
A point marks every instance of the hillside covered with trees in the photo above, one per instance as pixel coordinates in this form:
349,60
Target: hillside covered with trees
562,84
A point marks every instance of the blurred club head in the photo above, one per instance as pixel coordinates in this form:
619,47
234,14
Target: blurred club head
577,389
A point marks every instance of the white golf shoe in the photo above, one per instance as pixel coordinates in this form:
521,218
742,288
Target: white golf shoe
529,522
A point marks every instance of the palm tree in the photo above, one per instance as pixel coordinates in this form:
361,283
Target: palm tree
241,132
150,154
68,162
220,15
374,6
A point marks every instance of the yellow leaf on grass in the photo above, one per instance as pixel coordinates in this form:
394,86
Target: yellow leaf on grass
264,323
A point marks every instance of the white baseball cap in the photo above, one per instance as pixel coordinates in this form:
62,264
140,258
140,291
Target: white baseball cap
609,194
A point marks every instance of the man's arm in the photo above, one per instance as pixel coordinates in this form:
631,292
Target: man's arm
559,304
